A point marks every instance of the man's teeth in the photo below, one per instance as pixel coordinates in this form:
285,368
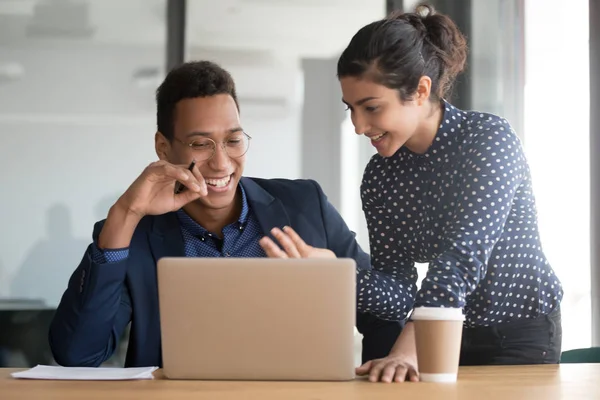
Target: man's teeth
219,182
376,138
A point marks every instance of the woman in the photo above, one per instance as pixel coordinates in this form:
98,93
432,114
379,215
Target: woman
450,188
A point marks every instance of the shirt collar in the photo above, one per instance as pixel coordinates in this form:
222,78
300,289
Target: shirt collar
446,141
196,229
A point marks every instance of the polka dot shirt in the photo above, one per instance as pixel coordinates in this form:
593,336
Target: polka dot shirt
465,207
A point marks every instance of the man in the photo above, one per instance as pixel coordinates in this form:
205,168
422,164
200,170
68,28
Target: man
218,213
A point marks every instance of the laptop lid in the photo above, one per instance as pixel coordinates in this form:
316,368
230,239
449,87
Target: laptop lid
257,318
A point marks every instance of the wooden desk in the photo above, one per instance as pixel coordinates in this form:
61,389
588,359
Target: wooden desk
541,382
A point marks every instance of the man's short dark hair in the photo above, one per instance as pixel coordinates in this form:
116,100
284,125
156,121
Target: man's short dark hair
187,81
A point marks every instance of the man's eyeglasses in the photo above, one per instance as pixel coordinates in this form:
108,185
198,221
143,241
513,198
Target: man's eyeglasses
205,148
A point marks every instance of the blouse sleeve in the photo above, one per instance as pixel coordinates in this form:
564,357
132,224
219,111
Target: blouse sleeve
492,170
388,290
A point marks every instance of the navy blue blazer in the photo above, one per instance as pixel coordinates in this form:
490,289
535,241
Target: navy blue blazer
101,300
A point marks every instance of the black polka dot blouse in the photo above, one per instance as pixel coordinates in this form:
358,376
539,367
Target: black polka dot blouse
465,207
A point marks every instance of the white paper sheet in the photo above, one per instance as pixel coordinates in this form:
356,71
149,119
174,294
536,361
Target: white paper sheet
85,373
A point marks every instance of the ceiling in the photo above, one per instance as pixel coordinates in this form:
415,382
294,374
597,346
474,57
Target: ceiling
306,28
57,44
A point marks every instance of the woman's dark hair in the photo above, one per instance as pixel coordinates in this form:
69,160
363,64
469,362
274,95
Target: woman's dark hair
190,80
398,50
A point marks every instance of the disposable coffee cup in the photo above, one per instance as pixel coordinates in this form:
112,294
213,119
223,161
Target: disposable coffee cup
438,333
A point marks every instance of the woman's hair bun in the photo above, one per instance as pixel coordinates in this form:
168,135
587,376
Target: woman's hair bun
424,10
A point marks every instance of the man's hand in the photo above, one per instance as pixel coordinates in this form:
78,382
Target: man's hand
152,193
293,246
399,366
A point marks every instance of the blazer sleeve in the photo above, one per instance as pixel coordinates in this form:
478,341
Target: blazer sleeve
93,312
340,239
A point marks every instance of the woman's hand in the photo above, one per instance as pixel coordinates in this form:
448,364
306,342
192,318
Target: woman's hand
390,369
400,365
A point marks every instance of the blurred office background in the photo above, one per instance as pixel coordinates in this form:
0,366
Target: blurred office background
77,119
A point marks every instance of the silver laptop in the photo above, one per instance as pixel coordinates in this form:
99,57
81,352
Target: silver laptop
257,318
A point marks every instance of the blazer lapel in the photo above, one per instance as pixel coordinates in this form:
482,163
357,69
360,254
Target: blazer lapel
165,237
268,210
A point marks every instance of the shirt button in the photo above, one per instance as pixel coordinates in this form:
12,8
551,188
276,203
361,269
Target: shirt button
226,254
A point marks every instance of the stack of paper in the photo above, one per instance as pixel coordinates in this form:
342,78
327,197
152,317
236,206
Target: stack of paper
85,373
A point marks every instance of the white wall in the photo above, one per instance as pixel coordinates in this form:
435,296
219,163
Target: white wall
75,130
67,130
77,113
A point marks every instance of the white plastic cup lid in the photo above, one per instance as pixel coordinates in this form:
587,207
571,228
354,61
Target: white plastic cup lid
438,314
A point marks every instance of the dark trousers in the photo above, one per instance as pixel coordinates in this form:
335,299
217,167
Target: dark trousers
379,336
527,341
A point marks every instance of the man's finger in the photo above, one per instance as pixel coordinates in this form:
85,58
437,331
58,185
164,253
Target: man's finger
300,244
179,174
271,248
159,172
192,183
200,179
186,197
285,242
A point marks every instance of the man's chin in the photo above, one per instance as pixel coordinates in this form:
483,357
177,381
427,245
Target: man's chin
215,202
